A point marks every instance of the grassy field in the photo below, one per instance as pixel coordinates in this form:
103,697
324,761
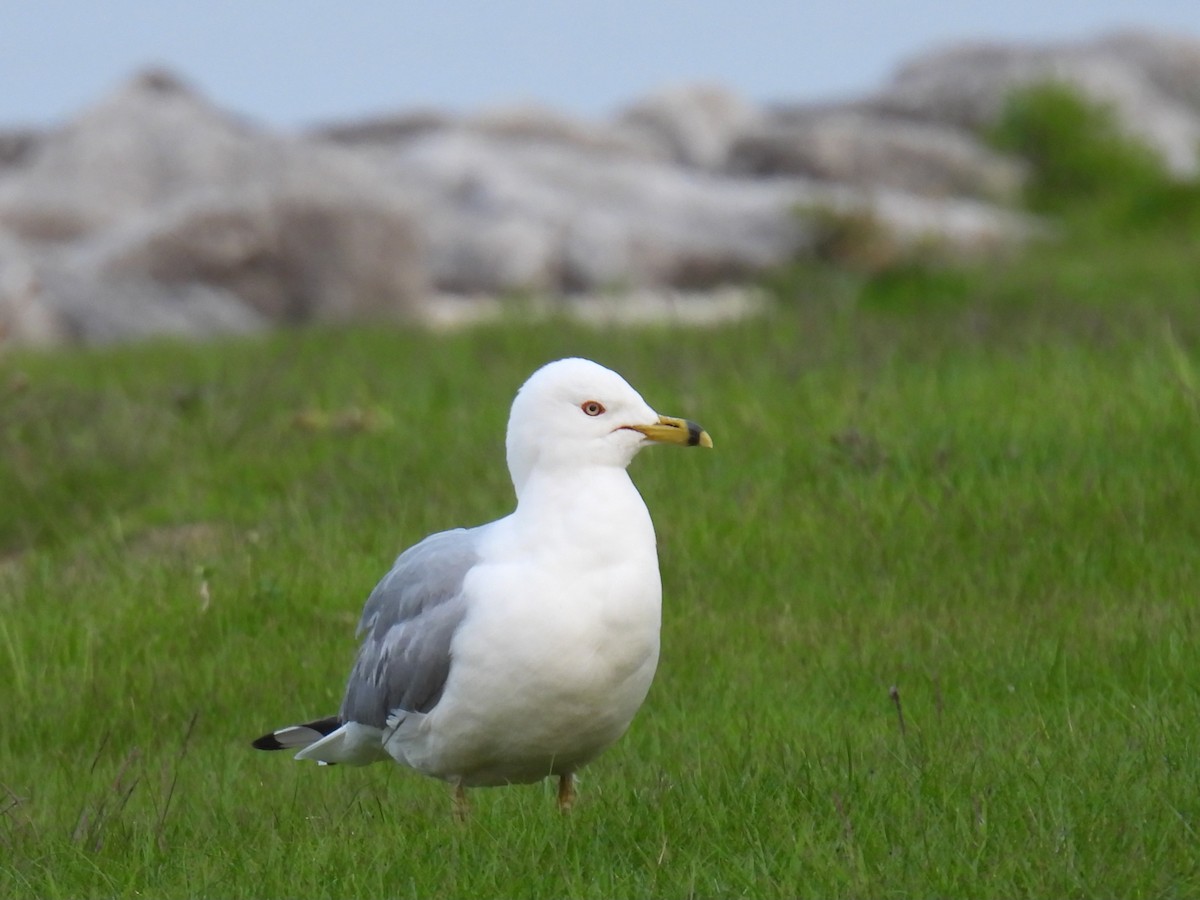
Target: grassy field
931,607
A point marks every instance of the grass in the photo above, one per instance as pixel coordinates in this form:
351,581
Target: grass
930,618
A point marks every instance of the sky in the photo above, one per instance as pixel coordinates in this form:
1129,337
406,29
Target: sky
291,63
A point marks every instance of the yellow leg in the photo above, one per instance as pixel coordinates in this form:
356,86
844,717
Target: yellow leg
461,806
566,792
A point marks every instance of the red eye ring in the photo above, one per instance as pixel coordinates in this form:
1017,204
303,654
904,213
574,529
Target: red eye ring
592,407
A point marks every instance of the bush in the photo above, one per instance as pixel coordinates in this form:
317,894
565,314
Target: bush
1085,169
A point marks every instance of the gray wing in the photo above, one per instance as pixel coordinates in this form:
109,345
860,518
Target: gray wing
408,623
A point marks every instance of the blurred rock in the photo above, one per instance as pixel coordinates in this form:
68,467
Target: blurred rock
518,124
861,148
384,130
289,255
17,147
141,146
537,125
1151,81
88,311
173,216
24,316
630,308
694,125
1170,62
155,212
504,215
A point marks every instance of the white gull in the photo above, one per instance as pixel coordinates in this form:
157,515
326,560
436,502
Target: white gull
519,649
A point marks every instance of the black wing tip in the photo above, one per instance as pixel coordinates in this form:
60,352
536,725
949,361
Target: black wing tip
267,742
325,727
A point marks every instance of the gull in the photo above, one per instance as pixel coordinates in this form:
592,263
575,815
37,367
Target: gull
521,649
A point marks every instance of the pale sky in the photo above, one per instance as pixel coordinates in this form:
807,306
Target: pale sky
294,63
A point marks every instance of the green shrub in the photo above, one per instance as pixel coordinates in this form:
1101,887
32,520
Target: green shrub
1084,168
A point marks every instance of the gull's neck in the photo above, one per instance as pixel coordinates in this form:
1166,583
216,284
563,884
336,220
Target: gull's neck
592,504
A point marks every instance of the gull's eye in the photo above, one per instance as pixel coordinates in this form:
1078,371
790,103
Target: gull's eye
592,407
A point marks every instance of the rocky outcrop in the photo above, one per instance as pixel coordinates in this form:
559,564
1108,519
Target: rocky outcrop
863,148
17,146
519,215
156,212
692,125
1151,81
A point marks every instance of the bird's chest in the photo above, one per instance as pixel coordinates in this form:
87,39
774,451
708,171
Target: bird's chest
576,649
559,646
576,632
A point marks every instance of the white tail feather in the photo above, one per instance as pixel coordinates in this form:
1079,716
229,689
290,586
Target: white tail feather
354,744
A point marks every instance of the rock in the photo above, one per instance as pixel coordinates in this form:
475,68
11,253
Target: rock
1171,63
47,299
25,318
694,125
517,216
606,309
145,144
530,124
291,256
1150,81
861,148
220,264
156,212
384,129
17,147
156,192
98,312
519,124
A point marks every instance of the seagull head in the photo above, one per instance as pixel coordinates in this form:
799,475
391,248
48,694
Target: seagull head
575,413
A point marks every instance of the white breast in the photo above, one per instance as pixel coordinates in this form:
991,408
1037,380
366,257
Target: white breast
559,646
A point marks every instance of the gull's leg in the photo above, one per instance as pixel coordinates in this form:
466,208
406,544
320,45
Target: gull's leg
461,806
566,792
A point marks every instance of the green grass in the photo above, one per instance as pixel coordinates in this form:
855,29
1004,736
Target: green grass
987,502
931,607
